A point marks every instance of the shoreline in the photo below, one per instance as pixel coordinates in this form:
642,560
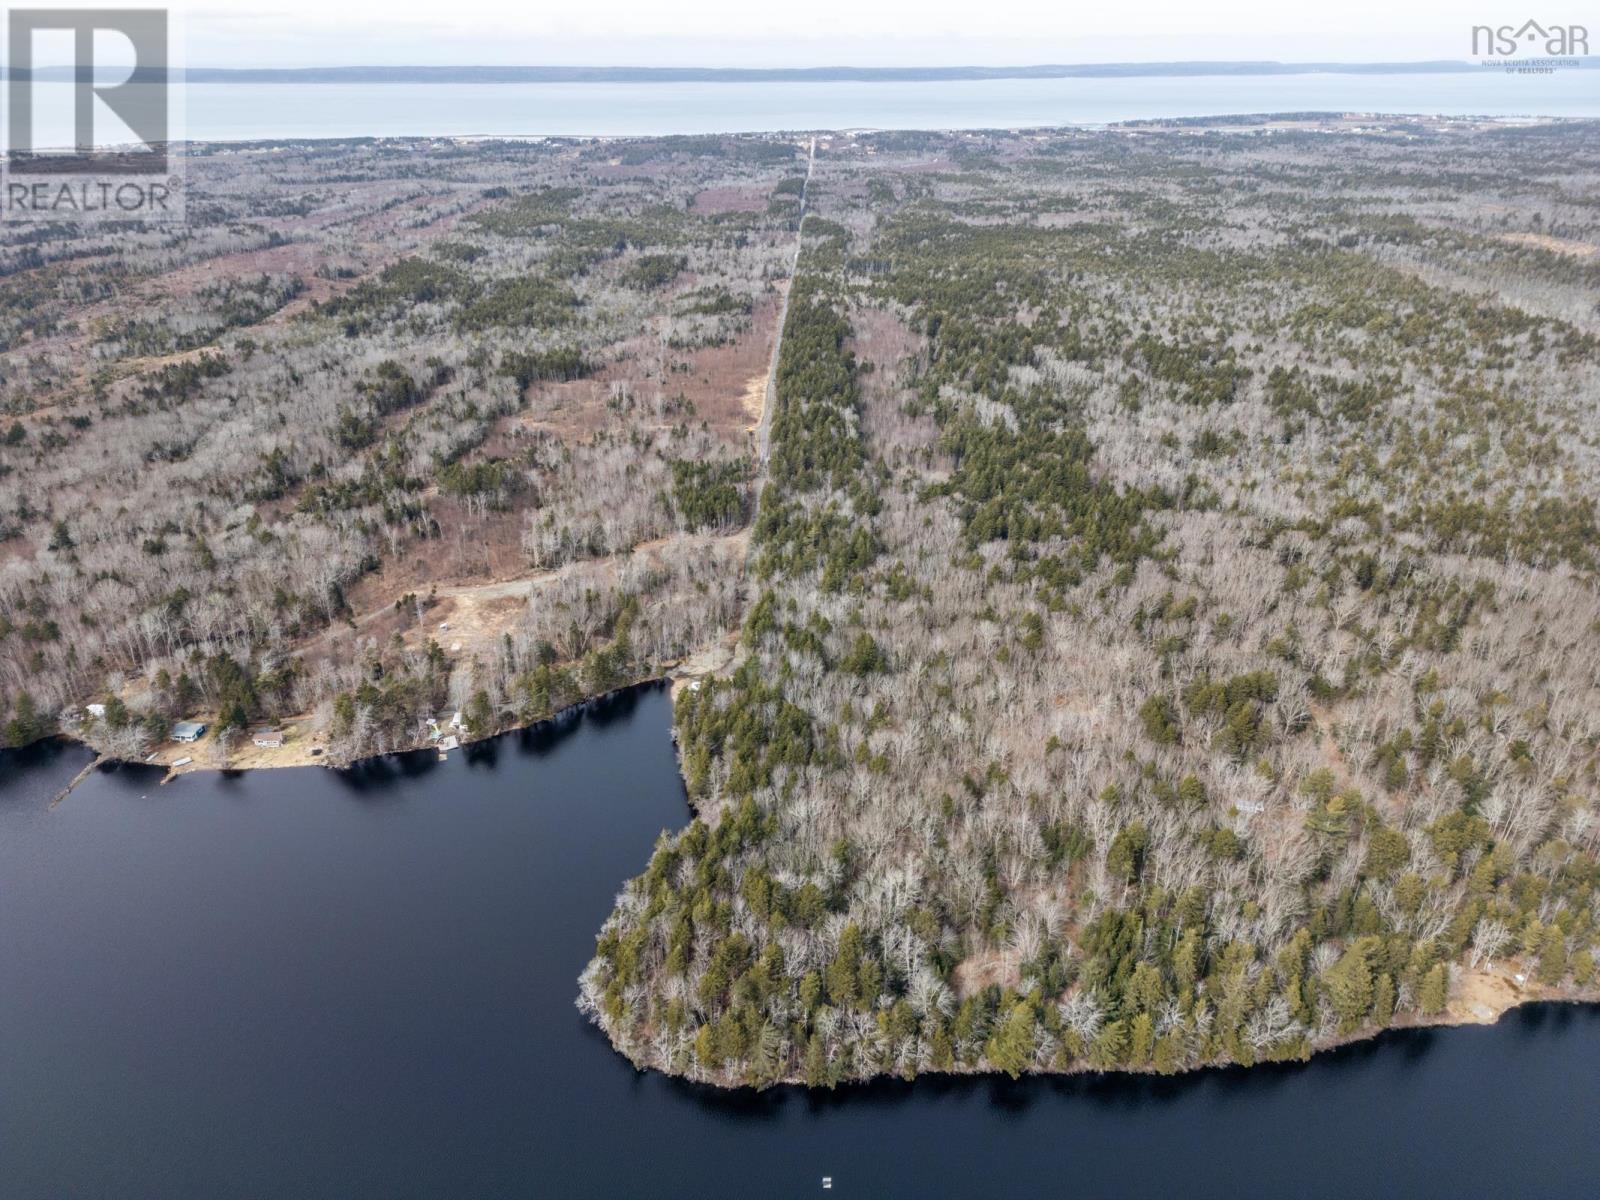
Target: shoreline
1477,997
1343,117
846,1088
672,677
1540,996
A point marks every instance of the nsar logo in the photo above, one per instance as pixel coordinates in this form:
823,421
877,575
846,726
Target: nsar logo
1506,41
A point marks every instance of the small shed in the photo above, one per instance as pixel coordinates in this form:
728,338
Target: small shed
268,739
188,731
97,711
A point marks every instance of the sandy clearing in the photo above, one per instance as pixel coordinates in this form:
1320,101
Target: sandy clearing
714,659
1573,249
978,971
754,399
1481,997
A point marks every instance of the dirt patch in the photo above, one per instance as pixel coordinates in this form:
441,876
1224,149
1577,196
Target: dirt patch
755,397
925,166
1065,220
655,168
719,377
714,659
470,621
974,974
714,379
1554,244
715,200
1480,997
476,550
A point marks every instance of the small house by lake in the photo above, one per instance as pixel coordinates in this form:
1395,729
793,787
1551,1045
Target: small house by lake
188,731
268,739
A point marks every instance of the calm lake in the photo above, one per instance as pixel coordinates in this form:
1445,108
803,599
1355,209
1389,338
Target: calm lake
309,984
245,111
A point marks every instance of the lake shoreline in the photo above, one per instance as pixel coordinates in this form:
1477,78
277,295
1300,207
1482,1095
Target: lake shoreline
357,982
301,756
1542,997
851,1089
1478,998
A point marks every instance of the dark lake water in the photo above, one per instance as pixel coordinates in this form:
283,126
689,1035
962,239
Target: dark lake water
305,984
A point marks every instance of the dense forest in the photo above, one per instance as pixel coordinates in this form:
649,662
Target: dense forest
1145,615
1174,635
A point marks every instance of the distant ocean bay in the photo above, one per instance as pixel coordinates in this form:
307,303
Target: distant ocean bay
250,111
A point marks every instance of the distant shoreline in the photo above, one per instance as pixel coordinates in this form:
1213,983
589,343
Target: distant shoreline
836,74
311,752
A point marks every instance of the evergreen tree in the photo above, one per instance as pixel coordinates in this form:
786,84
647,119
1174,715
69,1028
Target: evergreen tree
1350,984
816,1065
1552,956
1011,1048
1435,990
844,972
1141,1039
1110,1048
1383,999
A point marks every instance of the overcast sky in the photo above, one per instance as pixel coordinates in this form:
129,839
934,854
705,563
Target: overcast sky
284,33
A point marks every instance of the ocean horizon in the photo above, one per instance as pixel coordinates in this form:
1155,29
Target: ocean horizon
229,112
